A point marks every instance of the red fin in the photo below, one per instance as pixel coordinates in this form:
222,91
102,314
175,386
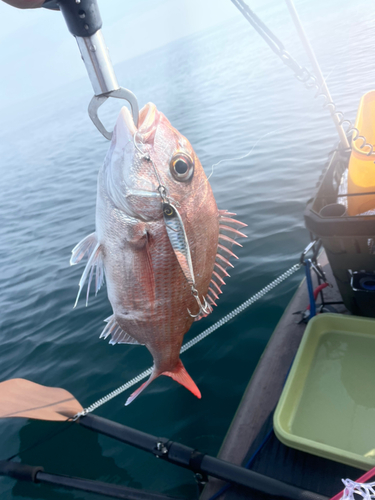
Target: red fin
222,269
230,240
231,230
211,300
181,376
225,212
218,277
227,263
226,249
232,221
216,286
137,392
210,290
202,314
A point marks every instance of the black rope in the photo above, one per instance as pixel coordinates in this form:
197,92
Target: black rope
44,439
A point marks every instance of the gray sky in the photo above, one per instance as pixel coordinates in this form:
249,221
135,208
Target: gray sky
38,53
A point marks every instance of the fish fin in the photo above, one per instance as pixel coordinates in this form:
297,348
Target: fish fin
138,391
213,294
126,338
211,301
117,333
224,252
95,262
180,375
82,248
203,314
225,213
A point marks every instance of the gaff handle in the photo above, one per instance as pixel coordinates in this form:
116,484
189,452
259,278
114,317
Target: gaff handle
84,23
82,18
19,471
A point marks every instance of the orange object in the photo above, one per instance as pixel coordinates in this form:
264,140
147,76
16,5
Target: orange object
361,173
22,398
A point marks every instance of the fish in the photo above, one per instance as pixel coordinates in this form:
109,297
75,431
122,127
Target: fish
160,242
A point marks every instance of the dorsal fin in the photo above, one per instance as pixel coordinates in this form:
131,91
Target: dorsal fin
202,314
224,253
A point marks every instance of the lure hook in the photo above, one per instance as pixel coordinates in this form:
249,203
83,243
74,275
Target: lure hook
203,308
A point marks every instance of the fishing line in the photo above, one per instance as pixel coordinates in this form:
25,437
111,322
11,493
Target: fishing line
237,159
147,157
260,138
247,154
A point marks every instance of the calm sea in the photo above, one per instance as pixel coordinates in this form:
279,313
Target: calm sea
229,94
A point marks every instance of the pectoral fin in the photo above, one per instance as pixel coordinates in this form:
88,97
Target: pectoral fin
84,247
89,246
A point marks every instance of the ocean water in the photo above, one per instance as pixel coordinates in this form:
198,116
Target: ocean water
228,93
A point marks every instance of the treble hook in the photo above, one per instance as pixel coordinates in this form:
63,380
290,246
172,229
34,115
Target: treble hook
203,308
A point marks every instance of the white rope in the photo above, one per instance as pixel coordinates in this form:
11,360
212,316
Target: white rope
352,488
195,340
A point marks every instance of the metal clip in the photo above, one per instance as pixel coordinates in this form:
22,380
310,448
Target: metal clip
315,265
319,271
98,100
161,447
309,247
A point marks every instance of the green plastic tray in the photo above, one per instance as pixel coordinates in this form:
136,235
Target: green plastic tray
327,407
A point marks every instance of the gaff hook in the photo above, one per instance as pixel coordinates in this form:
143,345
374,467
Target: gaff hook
98,100
84,23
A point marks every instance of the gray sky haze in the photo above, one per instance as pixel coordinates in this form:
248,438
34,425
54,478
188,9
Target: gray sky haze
38,53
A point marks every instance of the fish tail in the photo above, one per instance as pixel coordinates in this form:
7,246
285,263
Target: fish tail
137,392
179,374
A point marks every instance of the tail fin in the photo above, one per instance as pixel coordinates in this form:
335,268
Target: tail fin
137,392
179,374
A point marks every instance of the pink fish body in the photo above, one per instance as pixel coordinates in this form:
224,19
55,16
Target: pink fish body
160,240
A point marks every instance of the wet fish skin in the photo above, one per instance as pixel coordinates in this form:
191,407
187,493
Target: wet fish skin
148,291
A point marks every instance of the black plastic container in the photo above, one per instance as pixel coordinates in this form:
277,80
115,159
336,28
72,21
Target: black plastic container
348,241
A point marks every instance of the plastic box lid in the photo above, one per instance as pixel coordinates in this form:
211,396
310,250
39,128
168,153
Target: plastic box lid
327,407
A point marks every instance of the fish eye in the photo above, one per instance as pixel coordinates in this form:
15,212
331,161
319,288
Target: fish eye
182,167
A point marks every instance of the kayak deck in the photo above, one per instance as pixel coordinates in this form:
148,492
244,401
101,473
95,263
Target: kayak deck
252,425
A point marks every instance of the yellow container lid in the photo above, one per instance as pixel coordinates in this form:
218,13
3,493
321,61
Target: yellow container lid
361,172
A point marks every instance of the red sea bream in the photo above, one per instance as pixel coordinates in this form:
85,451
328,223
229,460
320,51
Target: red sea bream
160,240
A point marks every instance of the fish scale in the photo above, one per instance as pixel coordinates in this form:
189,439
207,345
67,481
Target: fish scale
154,260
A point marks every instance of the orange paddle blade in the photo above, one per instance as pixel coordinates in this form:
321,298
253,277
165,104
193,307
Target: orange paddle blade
22,398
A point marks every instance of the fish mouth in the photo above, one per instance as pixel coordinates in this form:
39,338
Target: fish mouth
142,136
148,120
131,182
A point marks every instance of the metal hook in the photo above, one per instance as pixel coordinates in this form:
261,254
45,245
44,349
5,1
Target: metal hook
98,100
203,308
